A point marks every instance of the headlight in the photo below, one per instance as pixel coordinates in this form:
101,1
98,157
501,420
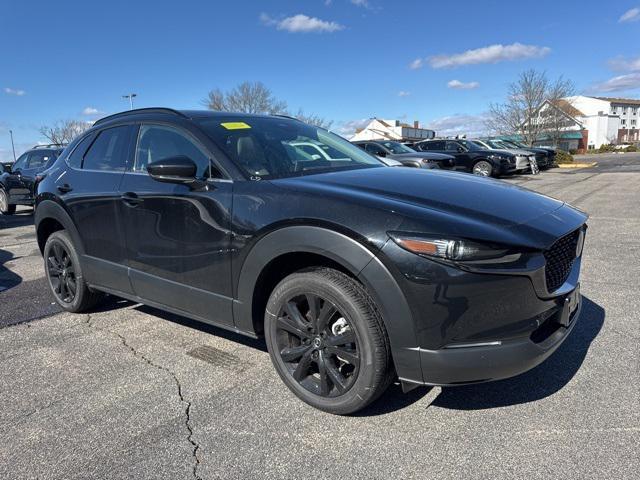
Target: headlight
448,249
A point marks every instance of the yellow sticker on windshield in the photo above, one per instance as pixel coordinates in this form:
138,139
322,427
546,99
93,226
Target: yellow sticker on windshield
235,125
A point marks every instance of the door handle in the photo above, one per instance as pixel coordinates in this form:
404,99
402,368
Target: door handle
66,188
131,199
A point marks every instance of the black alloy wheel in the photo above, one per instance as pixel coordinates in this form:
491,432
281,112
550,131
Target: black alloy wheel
62,275
318,345
327,340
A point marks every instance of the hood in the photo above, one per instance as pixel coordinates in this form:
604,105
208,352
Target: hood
431,195
517,151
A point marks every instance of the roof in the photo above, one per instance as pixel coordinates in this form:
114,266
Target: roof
186,114
567,108
628,101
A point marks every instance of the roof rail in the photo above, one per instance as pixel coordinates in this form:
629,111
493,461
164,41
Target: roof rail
140,110
282,115
48,145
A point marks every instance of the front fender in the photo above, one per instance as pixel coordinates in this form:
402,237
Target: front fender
358,260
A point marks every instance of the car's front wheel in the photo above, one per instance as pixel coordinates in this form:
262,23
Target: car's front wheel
64,273
5,207
483,168
327,340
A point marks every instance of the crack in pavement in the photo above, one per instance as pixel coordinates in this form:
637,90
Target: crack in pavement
187,410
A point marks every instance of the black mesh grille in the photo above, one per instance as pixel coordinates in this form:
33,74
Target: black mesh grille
560,258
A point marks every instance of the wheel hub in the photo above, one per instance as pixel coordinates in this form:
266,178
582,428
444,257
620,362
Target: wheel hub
317,342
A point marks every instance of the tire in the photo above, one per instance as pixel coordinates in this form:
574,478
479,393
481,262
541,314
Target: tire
482,168
5,207
64,274
339,363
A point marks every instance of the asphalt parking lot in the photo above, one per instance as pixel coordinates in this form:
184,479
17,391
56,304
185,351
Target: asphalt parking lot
130,391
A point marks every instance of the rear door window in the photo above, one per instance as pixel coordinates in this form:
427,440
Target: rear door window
108,151
75,159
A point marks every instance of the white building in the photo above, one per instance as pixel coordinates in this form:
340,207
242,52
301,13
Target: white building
599,121
379,129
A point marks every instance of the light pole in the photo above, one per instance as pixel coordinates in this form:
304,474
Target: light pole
130,96
12,145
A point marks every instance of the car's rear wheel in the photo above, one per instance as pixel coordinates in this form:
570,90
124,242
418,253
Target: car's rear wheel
5,207
64,273
483,169
327,340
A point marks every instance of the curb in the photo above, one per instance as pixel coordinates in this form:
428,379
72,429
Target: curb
577,165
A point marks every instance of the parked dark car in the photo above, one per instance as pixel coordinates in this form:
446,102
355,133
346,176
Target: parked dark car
19,180
546,157
408,156
354,273
471,157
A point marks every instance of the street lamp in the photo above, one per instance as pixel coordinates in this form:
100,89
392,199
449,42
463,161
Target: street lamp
130,97
12,145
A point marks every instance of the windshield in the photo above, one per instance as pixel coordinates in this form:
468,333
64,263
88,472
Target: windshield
397,147
515,144
269,148
481,144
498,144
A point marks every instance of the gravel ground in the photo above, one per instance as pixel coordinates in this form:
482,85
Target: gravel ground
130,391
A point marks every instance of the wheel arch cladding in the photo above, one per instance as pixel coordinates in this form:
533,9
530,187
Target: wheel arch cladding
343,253
51,217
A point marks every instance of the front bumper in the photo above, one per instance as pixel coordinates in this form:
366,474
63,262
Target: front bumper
502,359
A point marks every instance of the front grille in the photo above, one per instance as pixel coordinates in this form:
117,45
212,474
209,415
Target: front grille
559,260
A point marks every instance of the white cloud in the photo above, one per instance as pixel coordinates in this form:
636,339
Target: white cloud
459,124
625,65
417,63
301,24
632,15
348,128
91,111
14,91
457,84
403,93
361,3
491,54
621,83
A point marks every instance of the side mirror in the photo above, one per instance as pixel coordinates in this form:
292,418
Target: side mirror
460,149
178,169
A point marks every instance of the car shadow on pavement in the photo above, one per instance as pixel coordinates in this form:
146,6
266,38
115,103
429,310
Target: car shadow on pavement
542,381
8,279
258,344
19,219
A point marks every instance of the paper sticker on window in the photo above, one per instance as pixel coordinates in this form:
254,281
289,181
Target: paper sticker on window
235,125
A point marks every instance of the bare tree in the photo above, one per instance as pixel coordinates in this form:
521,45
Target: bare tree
534,106
558,110
313,119
248,97
63,131
255,97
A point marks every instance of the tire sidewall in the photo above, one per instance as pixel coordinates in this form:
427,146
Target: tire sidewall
491,169
361,391
62,238
8,210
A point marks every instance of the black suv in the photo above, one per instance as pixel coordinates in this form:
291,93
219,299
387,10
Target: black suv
19,180
406,155
354,272
471,157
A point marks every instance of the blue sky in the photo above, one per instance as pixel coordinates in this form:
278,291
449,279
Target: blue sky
346,60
